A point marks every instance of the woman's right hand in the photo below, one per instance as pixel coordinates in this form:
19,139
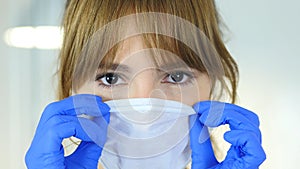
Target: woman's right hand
62,120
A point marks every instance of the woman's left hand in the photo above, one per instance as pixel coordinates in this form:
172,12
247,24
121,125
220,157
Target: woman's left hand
246,151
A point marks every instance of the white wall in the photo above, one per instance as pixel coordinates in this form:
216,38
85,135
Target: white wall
264,40
26,83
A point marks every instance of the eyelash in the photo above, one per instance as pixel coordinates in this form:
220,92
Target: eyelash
100,76
189,75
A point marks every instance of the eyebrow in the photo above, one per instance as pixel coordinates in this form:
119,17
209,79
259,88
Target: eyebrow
117,67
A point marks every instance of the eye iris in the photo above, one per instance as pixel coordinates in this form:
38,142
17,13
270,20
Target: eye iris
177,77
111,78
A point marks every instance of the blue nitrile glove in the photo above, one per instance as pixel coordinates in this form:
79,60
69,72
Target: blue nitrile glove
244,136
60,120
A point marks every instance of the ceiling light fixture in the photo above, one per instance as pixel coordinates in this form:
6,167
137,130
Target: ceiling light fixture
41,37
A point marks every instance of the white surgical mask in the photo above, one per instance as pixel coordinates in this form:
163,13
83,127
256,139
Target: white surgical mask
147,133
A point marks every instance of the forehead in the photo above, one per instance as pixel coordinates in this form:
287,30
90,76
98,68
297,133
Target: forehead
129,47
134,53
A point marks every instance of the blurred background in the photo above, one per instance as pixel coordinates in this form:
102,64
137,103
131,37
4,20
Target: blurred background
263,37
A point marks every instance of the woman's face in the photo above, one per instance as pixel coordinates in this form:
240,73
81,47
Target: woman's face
135,74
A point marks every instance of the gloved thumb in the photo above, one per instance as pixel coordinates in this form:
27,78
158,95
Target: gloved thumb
202,152
86,155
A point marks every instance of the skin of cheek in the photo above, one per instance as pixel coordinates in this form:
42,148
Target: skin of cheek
92,87
87,88
198,91
204,88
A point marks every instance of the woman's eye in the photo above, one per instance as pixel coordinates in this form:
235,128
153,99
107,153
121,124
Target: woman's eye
177,77
110,79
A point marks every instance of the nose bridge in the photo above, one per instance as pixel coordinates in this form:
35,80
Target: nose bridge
142,85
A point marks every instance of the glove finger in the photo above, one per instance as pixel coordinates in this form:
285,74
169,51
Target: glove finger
221,106
91,153
86,104
34,159
60,127
235,120
248,149
50,155
219,114
202,152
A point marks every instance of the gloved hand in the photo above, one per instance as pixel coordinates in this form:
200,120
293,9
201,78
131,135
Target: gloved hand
244,136
60,120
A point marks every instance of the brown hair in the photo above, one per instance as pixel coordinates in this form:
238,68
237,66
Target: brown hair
83,18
